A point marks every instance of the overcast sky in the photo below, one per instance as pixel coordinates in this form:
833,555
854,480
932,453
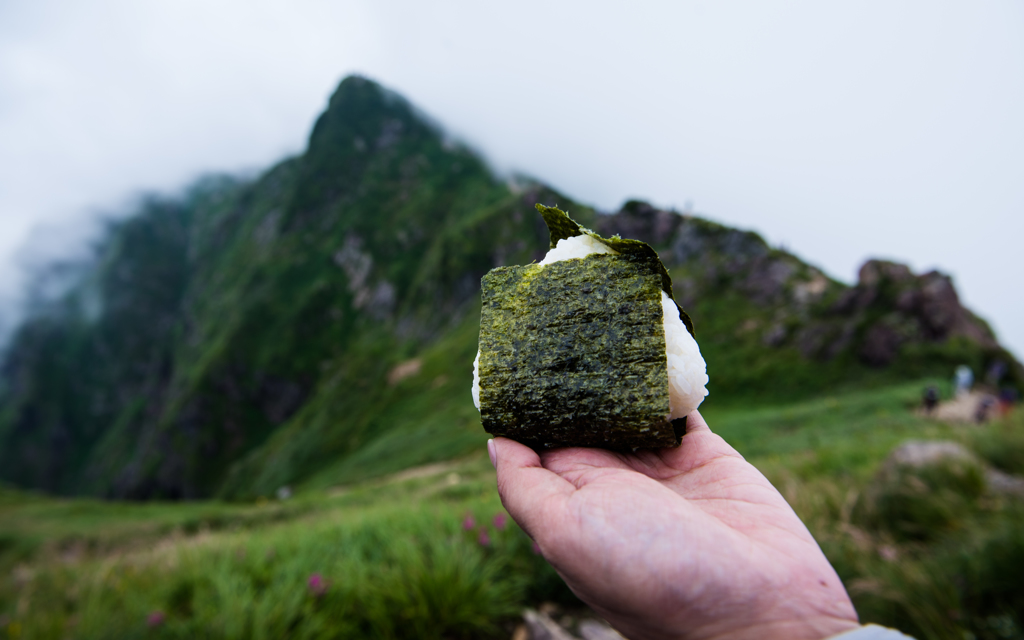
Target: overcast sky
840,130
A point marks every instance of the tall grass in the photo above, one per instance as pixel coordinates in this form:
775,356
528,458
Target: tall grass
432,555
429,558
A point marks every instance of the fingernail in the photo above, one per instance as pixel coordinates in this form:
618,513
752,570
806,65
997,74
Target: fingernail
492,454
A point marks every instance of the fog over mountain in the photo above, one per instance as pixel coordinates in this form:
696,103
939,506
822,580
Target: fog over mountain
841,132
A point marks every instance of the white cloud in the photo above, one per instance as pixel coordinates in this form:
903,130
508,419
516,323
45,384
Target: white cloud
844,130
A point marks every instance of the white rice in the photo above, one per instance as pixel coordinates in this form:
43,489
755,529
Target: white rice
576,247
687,373
476,380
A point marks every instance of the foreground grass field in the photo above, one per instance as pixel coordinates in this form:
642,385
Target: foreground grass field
430,554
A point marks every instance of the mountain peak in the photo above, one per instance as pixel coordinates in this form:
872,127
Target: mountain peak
363,122
247,331
365,116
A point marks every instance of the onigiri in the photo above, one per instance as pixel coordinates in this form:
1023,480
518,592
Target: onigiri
587,347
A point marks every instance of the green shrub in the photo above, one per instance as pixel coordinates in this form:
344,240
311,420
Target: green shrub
989,576
1001,444
920,503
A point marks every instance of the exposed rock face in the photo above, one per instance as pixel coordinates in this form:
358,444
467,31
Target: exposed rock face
638,219
377,298
881,344
889,310
897,307
741,258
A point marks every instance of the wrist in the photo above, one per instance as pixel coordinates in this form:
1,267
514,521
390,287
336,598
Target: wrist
817,628
800,629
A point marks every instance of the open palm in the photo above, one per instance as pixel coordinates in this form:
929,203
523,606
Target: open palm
691,542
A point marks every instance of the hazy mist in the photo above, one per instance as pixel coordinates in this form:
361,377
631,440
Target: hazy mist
842,130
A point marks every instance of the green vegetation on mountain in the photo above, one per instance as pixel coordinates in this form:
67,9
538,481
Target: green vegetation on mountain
317,324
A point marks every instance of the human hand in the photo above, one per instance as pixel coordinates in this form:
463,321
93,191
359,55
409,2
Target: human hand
691,542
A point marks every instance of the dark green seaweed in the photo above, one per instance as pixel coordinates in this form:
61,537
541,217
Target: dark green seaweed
573,353
561,226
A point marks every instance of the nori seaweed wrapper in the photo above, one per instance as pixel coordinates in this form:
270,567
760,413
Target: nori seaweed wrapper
573,353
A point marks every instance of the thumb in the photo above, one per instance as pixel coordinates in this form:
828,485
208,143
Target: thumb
531,494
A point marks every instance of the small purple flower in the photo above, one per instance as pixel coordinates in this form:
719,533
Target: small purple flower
500,520
484,539
317,585
536,548
469,523
155,619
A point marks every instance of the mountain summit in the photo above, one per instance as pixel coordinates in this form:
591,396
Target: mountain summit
318,324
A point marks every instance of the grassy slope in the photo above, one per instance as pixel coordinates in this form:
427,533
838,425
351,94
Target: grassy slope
428,417
399,563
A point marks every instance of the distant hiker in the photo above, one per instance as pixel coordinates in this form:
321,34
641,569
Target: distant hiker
1007,398
995,373
930,399
985,405
963,380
